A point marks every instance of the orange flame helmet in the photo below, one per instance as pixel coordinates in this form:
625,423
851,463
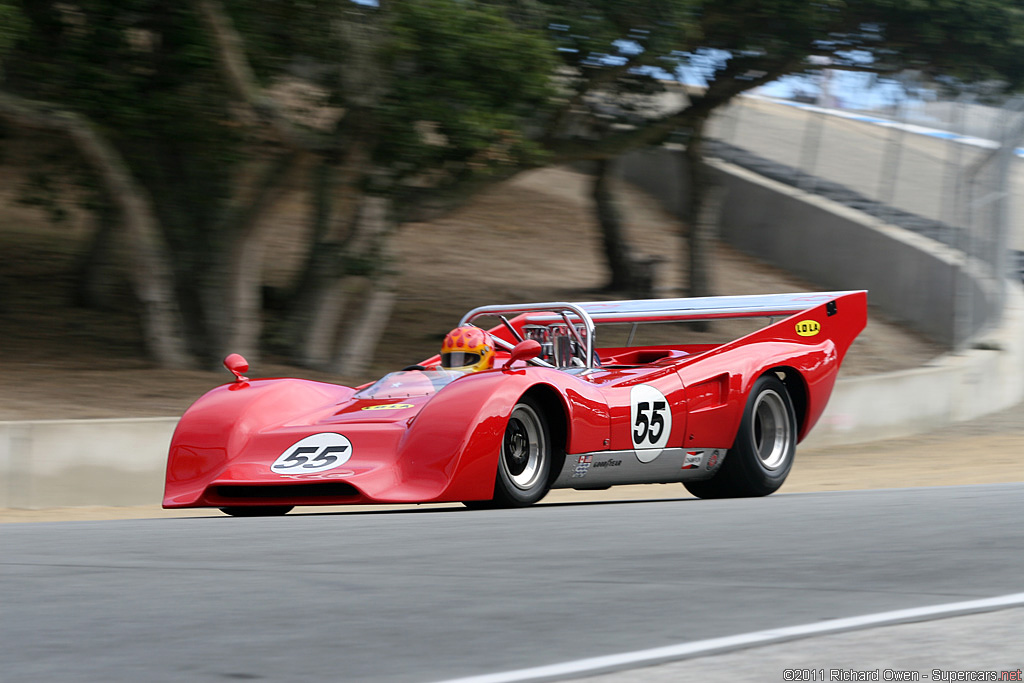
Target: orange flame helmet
467,348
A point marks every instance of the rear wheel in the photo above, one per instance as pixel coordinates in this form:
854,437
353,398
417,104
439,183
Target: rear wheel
762,455
524,462
257,510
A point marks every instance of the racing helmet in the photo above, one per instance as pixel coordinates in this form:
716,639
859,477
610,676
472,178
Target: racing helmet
467,348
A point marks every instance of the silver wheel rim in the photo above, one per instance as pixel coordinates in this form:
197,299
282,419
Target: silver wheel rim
772,431
523,448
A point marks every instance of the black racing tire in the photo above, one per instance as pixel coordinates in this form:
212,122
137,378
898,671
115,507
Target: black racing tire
257,510
762,455
524,460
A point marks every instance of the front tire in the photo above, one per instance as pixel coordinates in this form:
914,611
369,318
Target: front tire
257,510
524,461
762,455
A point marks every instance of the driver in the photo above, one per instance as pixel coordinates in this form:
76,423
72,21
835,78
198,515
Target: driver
467,348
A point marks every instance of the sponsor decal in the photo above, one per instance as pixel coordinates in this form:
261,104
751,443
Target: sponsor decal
808,328
607,463
692,460
650,421
582,466
315,453
712,459
388,406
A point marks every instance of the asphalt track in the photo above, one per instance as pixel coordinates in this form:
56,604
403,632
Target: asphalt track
435,594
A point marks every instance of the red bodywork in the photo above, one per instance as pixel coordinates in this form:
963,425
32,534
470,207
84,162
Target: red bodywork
418,443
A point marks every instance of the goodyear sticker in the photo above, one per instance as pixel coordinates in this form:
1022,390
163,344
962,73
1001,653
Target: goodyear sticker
388,406
808,328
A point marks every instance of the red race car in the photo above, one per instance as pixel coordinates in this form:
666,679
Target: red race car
501,416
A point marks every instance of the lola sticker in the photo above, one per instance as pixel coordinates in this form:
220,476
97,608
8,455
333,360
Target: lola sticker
315,453
388,406
808,328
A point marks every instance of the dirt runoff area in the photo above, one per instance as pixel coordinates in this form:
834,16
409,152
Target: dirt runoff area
530,239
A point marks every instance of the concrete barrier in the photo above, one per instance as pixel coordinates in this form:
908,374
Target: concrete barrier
951,388
64,463
916,281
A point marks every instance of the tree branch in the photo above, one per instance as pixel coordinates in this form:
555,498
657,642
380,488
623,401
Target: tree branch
240,78
723,88
151,272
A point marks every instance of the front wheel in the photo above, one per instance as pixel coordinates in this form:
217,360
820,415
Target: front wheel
257,510
762,454
524,462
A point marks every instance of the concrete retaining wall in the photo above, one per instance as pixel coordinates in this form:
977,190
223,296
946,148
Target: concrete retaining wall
64,463
951,388
913,279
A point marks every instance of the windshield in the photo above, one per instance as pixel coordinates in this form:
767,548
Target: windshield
409,383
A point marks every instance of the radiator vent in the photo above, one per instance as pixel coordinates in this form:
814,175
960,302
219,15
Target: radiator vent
325,490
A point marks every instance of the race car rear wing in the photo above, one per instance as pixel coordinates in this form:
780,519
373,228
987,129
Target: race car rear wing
657,310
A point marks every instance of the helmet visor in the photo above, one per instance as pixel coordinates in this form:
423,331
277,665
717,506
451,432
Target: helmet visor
459,359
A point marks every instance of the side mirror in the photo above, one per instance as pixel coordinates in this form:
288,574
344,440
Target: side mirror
237,365
524,350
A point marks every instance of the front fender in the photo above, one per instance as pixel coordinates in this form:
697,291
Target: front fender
220,424
451,449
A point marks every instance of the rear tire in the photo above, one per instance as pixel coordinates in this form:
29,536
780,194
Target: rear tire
257,510
524,461
762,455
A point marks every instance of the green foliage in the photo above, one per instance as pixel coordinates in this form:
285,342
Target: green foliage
440,93
467,82
297,36
611,50
971,40
12,27
142,72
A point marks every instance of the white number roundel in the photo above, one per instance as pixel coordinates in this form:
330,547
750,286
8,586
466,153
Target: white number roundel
650,421
315,453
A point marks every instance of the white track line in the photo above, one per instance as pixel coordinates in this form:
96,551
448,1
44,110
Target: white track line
698,648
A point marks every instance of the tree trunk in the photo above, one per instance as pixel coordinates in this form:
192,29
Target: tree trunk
373,249
702,216
360,343
628,272
316,305
233,301
95,279
151,272
617,251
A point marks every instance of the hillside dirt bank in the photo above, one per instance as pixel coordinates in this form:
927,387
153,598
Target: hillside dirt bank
530,239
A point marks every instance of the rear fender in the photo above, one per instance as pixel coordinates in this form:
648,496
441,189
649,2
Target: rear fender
810,363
